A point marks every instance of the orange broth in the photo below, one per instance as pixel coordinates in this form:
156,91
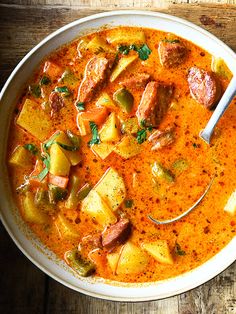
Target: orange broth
202,233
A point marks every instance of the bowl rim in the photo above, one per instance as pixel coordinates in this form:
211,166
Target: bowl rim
225,263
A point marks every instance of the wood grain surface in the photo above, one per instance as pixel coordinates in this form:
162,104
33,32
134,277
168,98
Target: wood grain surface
23,287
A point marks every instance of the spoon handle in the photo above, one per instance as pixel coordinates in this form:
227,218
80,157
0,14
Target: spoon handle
219,111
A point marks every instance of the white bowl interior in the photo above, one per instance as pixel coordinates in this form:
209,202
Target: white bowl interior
21,234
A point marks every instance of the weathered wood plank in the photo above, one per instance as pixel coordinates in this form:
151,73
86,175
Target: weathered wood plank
110,3
21,283
22,27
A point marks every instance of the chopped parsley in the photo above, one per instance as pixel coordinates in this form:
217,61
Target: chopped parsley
143,51
124,50
141,136
80,106
178,250
45,80
63,90
129,203
196,145
32,148
95,136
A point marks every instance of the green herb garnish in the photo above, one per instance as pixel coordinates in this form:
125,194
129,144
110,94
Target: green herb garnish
35,90
144,52
80,106
49,143
95,136
178,250
45,80
143,123
141,136
63,90
32,148
124,50
129,203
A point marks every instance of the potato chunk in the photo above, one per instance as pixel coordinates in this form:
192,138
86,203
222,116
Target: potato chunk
98,44
132,260
59,164
230,206
110,131
105,101
126,36
34,120
121,66
112,259
73,156
31,212
159,250
21,157
111,188
103,150
65,228
128,147
95,206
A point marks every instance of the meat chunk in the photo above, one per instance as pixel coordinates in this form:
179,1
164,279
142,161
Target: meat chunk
204,87
56,103
96,72
171,54
161,139
154,103
136,81
116,234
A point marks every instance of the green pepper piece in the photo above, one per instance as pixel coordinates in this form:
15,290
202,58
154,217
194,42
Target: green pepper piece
180,165
73,199
75,139
124,99
84,191
162,173
56,194
75,261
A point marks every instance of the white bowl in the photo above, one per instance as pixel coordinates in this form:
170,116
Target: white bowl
21,234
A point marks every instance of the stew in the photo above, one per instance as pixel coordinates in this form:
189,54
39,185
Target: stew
105,134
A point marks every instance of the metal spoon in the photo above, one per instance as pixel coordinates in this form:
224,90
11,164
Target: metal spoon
219,111
164,222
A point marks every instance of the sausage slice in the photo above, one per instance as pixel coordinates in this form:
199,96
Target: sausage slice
154,103
204,87
116,234
56,102
161,139
171,54
96,72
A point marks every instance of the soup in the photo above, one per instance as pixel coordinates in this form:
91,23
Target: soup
106,135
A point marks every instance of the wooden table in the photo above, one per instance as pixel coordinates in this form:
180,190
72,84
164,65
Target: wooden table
23,287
